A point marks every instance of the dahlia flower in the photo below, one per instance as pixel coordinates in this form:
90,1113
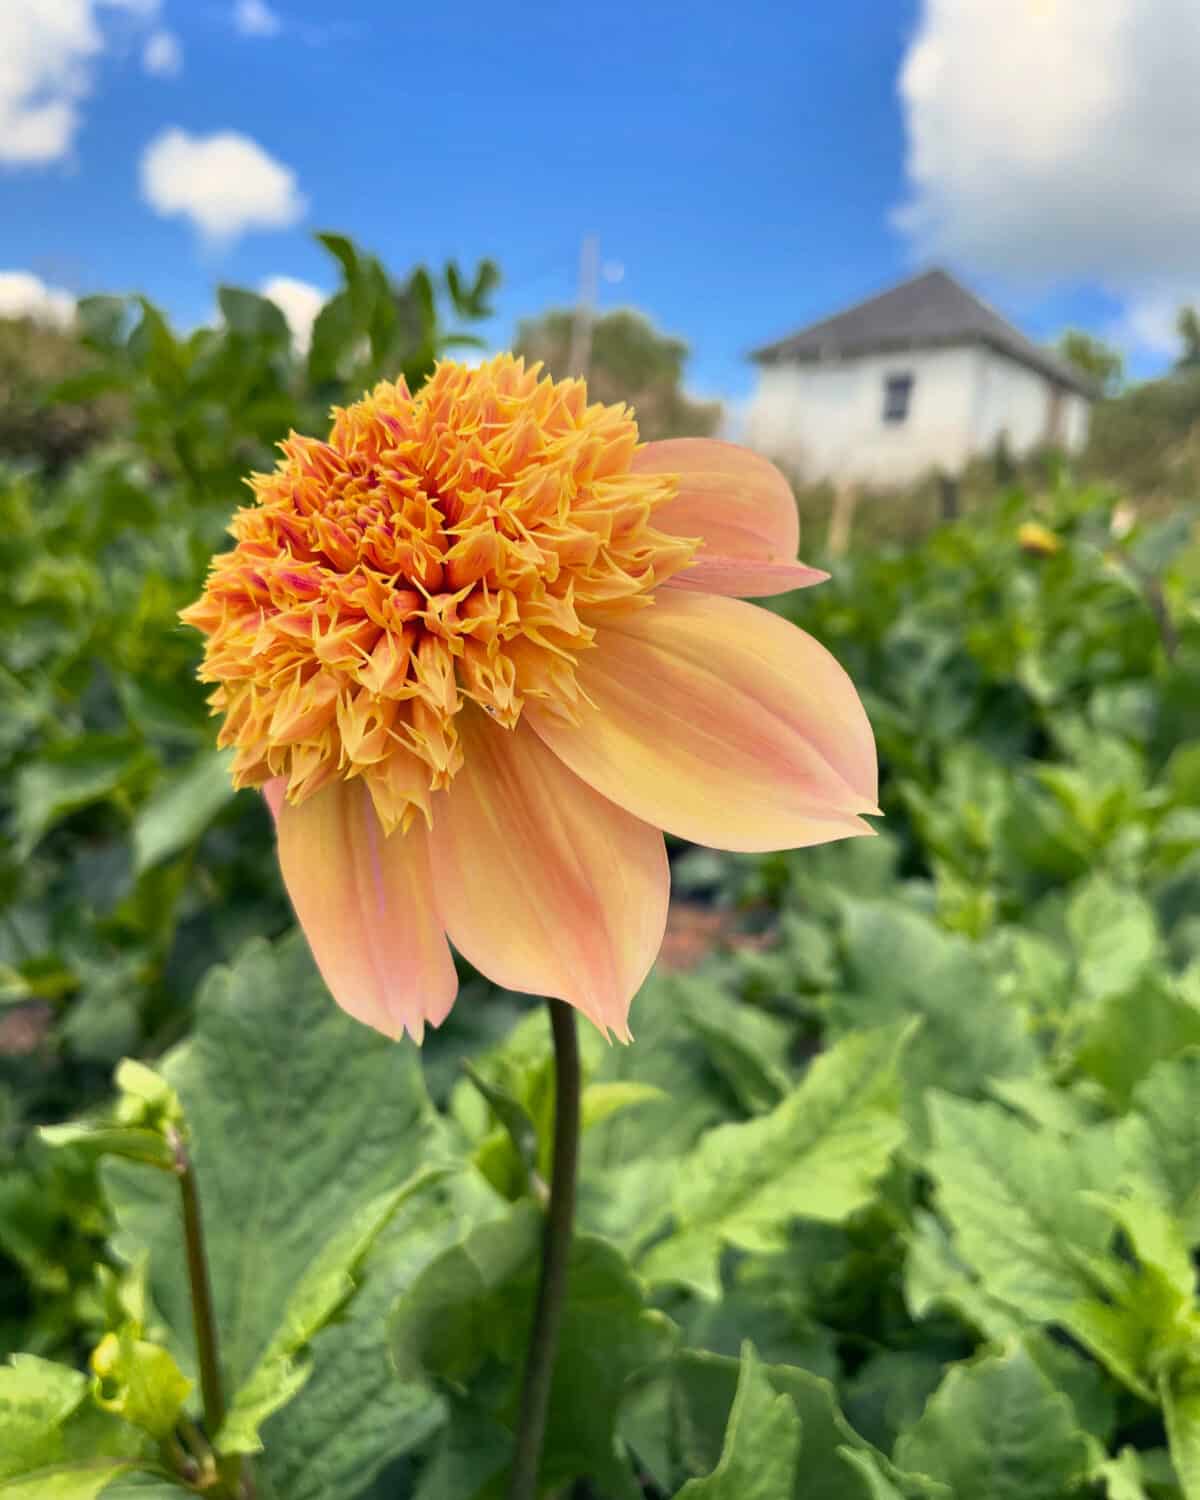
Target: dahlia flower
479,651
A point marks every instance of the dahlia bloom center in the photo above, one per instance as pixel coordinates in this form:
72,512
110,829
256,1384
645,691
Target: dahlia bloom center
461,545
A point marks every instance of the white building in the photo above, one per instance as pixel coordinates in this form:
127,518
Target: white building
923,377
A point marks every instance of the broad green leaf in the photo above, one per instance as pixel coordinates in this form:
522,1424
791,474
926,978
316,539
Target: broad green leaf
143,1487
54,1443
900,964
1115,936
1146,1320
746,1046
298,1118
817,1155
1014,1197
877,1485
139,1381
450,1320
252,316
601,1101
67,777
705,1386
464,1324
935,1276
1122,1476
1131,1031
181,809
1160,1140
997,1430
473,1450
762,1442
325,1287
1179,1391
888,1392
1052,1106
86,1480
134,1144
353,1416
36,1398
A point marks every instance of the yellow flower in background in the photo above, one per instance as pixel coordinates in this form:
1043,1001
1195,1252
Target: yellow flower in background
475,650
1038,540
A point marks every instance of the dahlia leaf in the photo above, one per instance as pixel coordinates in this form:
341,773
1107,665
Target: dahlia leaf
817,1155
762,1443
298,1121
998,1428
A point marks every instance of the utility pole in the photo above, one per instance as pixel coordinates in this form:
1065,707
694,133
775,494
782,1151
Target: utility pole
580,353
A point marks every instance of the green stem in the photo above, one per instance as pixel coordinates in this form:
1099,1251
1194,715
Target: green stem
556,1250
204,1321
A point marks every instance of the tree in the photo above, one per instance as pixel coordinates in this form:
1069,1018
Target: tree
1104,364
34,359
630,361
1188,327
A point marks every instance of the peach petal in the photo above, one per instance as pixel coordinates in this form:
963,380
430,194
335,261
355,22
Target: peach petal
713,574
741,507
366,906
274,792
541,882
721,723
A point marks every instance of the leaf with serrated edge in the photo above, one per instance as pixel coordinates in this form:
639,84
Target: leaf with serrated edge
762,1443
997,1427
817,1155
299,1118
1014,1197
325,1287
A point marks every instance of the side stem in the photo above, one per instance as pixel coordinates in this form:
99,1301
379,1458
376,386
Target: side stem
556,1250
204,1321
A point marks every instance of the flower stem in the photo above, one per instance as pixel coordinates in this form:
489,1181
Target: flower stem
556,1250
204,1320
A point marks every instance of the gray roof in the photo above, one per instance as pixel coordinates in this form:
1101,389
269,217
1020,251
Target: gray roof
929,309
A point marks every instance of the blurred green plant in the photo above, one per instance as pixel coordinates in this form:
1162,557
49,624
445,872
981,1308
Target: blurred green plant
896,1196
630,361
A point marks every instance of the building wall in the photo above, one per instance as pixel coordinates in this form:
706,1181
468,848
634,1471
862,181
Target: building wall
825,421
1011,398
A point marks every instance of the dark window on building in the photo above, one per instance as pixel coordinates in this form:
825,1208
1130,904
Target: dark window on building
897,393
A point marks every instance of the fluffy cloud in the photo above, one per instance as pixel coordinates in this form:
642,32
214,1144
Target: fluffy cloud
162,55
24,295
224,183
46,47
1054,140
298,301
48,51
256,18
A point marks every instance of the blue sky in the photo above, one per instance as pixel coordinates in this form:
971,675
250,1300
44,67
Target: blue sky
742,165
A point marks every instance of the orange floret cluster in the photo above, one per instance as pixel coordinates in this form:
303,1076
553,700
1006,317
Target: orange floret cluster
460,544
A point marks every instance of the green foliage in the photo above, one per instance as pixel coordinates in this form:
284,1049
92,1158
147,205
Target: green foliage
762,1444
1098,360
36,360
895,1198
998,1428
1145,438
629,361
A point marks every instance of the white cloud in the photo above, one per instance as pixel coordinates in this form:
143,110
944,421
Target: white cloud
45,50
24,295
1149,321
48,52
162,55
298,301
1054,140
256,18
225,184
